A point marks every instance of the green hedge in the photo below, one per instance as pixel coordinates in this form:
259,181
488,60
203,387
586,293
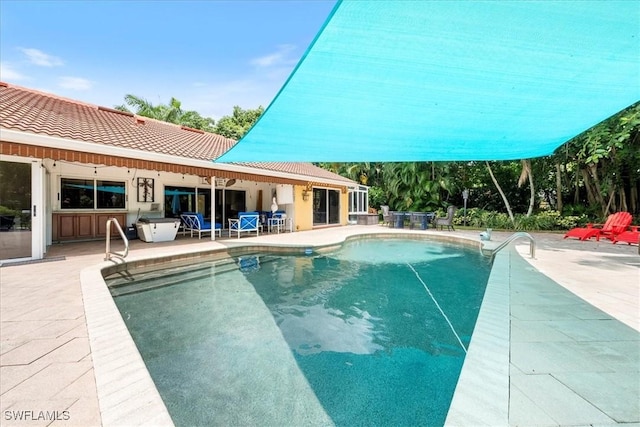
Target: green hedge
544,220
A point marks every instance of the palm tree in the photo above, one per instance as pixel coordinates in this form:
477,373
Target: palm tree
141,105
167,113
171,113
526,175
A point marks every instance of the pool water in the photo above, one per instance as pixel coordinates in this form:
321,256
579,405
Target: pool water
378,330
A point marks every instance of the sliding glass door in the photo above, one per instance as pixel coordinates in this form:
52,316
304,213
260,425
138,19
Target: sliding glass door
228,204
326,206
16,240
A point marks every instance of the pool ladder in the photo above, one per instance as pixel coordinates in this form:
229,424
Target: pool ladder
108,253
514,236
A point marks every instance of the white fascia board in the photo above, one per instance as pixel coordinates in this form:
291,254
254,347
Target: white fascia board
40,140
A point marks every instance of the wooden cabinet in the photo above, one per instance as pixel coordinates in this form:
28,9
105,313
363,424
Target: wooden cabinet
84,226
101,224
64,227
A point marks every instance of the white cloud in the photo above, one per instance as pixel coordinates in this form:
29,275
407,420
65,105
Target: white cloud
75,83
7,73
42,59
276,59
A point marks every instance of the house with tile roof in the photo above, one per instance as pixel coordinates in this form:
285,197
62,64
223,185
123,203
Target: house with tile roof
66,167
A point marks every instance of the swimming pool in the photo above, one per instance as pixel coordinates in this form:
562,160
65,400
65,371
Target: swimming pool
372,334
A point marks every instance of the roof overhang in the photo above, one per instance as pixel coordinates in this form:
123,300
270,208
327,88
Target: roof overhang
32,139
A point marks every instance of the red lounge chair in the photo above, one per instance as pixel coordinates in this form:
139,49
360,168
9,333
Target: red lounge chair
629,236
616,223
584,233
619,225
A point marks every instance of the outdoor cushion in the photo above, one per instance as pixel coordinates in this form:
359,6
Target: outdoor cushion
246,222
194,222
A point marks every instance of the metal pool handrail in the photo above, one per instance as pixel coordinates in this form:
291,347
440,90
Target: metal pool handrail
108,252
514,236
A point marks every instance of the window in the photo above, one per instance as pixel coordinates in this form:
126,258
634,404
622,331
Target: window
178,200
358,200
110,195
91,194
77,194
187,199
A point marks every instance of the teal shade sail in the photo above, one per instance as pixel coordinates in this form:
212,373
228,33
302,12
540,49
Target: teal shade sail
451,80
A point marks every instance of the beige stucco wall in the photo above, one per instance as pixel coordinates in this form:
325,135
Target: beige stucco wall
304,209
344,208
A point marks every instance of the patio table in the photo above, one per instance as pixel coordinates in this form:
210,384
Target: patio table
419,219
280,224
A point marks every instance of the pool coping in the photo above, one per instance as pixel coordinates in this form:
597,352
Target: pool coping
127,394
486,365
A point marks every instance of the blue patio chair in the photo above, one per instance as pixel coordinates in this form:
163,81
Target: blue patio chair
194,223
246,222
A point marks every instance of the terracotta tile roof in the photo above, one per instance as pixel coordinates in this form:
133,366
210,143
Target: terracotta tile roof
306,169
36,112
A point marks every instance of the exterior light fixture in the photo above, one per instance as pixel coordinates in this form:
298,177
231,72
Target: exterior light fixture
306,191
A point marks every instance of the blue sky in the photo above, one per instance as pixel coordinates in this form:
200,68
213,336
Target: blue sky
210,55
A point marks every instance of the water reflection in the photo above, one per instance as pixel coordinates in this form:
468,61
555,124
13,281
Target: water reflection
339,332
394,252
346,302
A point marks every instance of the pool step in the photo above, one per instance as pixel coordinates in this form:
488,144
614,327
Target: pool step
126,283
127,277
158,282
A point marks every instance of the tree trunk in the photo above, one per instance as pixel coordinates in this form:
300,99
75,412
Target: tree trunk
559,188
623,200
591,198
504,198
576,189
532,200
526,175
597,187
607,208
633,197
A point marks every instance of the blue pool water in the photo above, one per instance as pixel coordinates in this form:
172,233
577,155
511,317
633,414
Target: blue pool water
378,329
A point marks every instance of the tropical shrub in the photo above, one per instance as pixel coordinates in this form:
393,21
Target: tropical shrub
376,197
544,220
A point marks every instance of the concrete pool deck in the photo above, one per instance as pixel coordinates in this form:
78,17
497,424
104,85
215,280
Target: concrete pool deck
570,362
